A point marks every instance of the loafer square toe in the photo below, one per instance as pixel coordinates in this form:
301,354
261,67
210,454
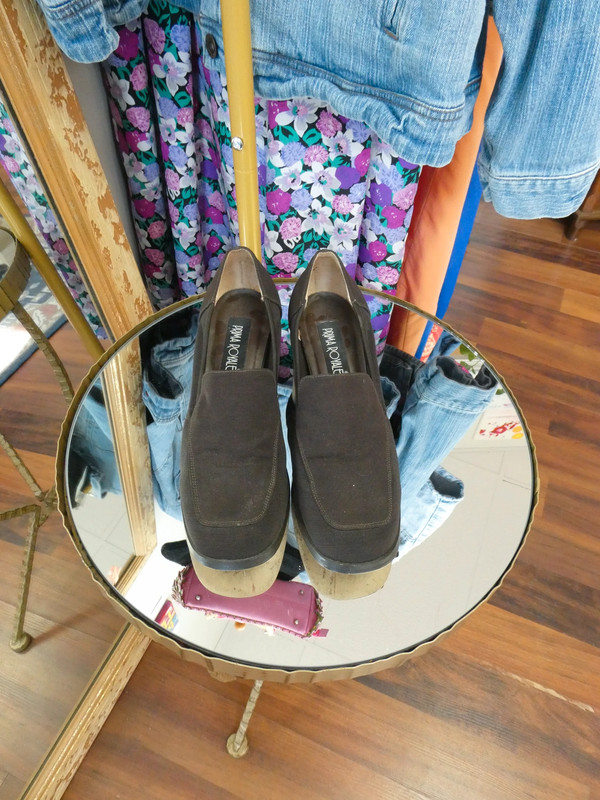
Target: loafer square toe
234,486
346,486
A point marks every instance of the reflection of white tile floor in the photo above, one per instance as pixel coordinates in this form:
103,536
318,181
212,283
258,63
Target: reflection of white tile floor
110,511
103,527
262,647
498,506
194,626
153,586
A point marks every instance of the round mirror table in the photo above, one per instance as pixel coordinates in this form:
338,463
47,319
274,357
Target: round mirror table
469,486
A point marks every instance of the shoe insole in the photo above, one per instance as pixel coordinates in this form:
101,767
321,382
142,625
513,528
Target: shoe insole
330,335
240,332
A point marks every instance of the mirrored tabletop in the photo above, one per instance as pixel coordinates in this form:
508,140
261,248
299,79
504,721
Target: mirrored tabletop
467,474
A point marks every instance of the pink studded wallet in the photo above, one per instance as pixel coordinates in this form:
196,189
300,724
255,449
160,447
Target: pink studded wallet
288,605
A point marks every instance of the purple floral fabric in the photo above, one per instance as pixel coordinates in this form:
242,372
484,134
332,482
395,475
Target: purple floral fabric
18,168
324,180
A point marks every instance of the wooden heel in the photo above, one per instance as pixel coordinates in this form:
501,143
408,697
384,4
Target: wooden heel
240,583
338,585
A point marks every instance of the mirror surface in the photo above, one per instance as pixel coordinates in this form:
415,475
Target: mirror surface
467,480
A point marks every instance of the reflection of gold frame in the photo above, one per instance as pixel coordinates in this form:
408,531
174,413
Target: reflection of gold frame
222,666
129,573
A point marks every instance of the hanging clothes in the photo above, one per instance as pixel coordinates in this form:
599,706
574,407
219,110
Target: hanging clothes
440,212
411,70
324,180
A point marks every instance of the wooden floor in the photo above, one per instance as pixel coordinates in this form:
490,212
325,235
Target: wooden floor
505,708
68,616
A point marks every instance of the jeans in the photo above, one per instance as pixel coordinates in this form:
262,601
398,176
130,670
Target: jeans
430,405
91,462
168,355
439,402
433,504
541,140
440,407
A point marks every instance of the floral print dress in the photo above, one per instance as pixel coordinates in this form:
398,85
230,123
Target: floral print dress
21,173
324,180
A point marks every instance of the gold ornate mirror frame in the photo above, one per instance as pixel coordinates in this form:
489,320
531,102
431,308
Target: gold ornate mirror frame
44,108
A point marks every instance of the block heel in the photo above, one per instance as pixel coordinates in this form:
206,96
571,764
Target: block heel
339,585
240,583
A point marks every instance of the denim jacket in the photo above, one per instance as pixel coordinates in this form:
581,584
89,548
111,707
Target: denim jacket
410,69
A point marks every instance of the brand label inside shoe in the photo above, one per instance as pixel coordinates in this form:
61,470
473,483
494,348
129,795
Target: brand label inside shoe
336,357
236,343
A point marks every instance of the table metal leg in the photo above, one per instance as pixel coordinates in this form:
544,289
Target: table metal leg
20,640
237,743
25,473
42,341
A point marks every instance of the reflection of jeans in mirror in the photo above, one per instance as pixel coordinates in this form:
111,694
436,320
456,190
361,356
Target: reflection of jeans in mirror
167,355
92,466
167,380
430,406
439,402
429,509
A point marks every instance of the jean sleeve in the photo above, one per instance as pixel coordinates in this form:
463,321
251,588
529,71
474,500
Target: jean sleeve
85,29
541,143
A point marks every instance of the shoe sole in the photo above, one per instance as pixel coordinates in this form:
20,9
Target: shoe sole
339,585
243,582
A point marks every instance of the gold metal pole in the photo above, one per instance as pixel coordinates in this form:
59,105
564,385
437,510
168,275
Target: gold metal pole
235,17
20,228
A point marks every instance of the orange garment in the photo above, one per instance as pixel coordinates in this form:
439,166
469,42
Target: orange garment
437,211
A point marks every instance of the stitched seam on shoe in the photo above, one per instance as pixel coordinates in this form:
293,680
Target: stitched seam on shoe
235,523
327,518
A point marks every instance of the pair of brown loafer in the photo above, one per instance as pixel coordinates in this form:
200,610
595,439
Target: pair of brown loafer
234,485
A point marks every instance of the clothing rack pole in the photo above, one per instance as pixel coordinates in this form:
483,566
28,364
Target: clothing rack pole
237,43
235,17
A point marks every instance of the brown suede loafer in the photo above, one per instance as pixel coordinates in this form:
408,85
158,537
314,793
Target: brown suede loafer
346,486
234,484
